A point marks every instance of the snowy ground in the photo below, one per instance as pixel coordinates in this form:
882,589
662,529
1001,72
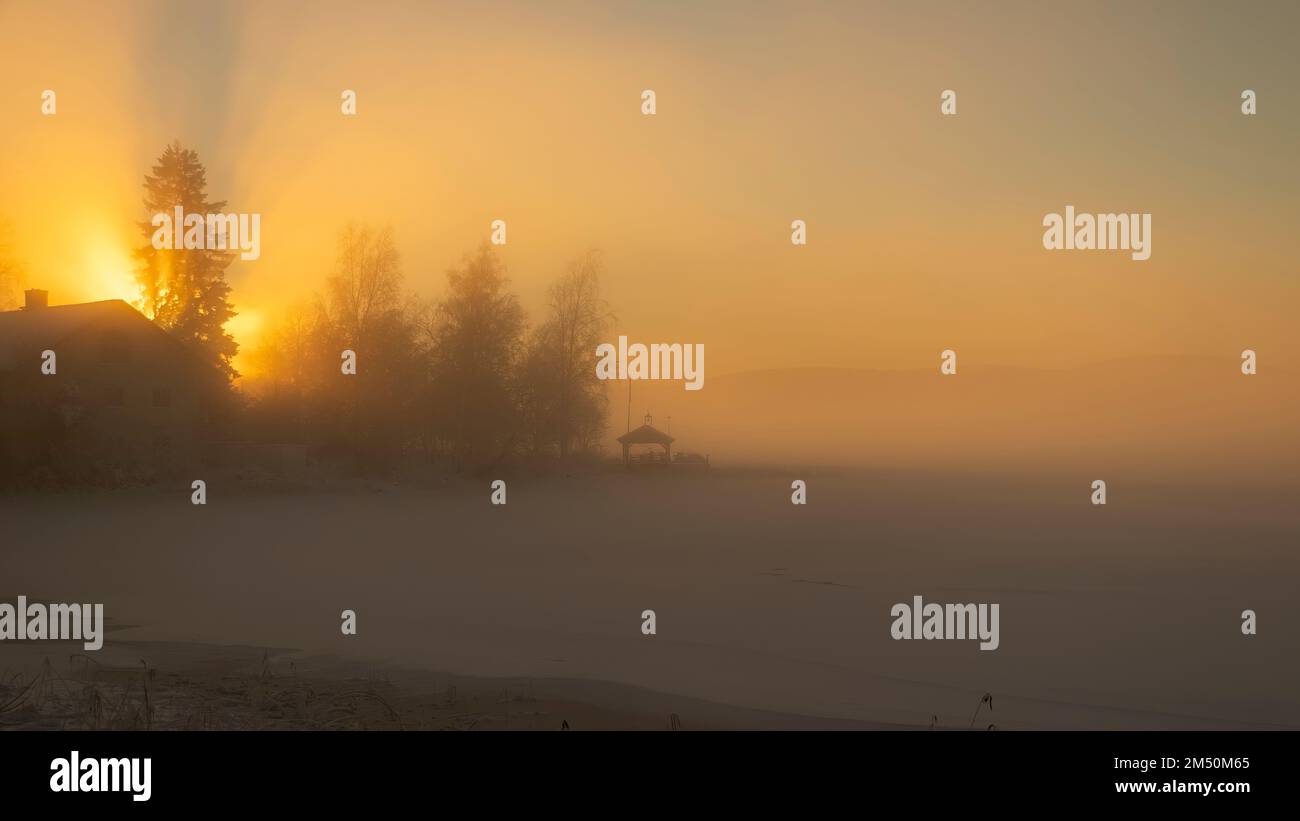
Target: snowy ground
1123,616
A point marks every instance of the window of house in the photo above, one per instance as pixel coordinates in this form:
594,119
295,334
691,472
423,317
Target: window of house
162,398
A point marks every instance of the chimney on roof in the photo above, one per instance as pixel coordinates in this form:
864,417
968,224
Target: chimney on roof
36,298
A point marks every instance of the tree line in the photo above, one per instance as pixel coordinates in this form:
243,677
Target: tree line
462,379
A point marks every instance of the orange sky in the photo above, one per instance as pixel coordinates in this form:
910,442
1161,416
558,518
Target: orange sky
924,231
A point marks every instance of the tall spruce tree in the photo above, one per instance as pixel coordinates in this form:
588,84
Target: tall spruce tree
185,291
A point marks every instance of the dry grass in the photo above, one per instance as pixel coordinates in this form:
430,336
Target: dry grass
92,696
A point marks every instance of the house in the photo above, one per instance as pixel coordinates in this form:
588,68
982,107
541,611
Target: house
647,434
97,388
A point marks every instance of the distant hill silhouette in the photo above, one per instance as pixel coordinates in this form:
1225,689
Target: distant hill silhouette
1155,416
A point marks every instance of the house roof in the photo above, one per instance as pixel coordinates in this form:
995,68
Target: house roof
646,435
47,327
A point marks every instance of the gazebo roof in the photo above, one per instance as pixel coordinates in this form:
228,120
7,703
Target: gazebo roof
645,435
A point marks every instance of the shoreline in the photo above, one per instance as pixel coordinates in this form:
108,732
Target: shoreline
183,685
159,685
